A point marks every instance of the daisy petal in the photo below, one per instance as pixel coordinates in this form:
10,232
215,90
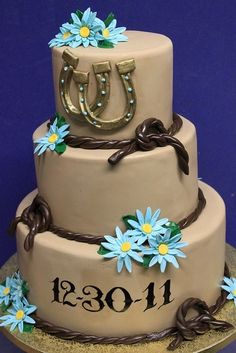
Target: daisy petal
163,265
120,263
153,261
128,264
140,217
135,256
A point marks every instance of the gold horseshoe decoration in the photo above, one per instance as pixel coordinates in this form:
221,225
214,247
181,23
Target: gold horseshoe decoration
125,68
101,71
70,63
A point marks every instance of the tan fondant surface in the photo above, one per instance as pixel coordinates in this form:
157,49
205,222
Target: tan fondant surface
88,195
199,276
153,54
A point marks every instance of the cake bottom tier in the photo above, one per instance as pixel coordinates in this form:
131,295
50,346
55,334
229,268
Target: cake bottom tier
75,288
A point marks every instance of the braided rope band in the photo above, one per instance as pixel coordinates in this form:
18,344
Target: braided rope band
150,134
184,329
38,218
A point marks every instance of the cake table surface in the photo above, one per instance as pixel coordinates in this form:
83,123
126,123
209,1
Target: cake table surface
39,342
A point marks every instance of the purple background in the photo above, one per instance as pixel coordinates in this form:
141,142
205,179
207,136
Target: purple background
204,39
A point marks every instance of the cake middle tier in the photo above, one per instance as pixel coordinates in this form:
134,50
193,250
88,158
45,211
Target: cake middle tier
88,195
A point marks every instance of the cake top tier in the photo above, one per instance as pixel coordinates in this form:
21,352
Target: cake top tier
109,92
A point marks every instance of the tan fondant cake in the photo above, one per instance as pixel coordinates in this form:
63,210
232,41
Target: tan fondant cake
98,258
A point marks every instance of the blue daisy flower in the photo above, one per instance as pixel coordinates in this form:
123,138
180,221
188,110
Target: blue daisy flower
148,225
5,292
17,286
65,37
18,315
230,287
53,137
111,33
85,30
124,248
164,249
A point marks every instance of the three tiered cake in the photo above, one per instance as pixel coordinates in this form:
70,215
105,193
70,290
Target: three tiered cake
120,233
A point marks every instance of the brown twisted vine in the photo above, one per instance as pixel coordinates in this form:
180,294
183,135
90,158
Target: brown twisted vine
38,218
184,223
184,329
150,134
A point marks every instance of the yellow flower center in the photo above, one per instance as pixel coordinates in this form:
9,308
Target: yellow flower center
126,246
147,228
6,291
20,315
163,249
234,292
106,33
84,32
53,138
66,35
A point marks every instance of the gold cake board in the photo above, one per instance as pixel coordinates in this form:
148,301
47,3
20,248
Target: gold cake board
39,342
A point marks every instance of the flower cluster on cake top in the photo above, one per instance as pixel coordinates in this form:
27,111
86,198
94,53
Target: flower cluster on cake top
85,28
14,304
158,240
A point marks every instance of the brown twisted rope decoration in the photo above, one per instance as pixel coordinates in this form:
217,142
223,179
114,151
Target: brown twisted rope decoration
38,218
150,134
184,223
184,329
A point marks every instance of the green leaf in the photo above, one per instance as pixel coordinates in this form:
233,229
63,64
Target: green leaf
174,227
60,120
79,14
105,44
60,148
146,260
109,19
3,283
127,218
102,251
4,307
25,288
28,328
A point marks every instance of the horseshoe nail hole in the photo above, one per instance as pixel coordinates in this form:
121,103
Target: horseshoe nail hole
103,93
66,68
127,78
103,80
99,104
81,88
132,101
